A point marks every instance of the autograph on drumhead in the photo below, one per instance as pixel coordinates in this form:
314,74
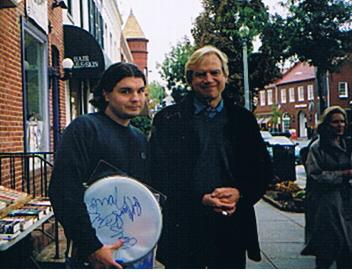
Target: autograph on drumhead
112,211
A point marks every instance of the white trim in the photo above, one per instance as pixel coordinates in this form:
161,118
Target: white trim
342,85
283,96
291,94
310,92
262,98
300,93
270,96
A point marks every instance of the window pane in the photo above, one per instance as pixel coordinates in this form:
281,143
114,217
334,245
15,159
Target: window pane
35,111
343,89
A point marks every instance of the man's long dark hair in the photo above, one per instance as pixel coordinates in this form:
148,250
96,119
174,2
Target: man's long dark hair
115,73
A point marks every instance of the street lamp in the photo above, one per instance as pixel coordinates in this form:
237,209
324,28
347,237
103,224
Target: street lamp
244,33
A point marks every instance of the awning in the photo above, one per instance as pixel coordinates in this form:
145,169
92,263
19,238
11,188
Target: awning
260,120
263,120
84,50
9,3
266,120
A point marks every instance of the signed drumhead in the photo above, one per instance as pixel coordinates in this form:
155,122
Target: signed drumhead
123,208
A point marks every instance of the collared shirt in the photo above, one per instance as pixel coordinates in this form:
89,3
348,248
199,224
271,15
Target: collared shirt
208,110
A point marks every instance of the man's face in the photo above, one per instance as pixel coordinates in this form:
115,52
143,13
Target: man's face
126,100
208,79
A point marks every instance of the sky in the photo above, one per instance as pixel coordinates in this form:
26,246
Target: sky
165,22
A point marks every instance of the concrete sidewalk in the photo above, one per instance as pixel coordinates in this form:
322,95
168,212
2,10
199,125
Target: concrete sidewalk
281,236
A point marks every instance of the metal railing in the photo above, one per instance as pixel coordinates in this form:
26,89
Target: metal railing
30,173
27,172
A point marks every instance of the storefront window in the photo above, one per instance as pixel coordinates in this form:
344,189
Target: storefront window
36,99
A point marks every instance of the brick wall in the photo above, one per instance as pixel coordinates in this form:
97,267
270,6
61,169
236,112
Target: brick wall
11,109
343,75
11,89
139,52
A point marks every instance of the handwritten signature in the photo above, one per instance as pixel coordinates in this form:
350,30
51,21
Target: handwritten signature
108,212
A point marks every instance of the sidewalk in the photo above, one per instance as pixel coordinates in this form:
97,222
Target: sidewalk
281,236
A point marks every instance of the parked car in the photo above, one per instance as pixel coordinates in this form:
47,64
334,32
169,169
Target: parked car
277,140
280,140
301,147
287,134
282,152
266,135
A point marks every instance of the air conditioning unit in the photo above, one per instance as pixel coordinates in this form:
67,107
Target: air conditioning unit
9,3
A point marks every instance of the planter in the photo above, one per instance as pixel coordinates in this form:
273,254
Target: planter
284,201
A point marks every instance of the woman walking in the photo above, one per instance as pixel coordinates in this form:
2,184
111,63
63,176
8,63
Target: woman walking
329,193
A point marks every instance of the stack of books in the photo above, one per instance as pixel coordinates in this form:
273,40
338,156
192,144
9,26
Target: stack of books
21,218
10,197
9,229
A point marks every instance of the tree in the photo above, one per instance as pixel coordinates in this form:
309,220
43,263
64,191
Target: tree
219,25
156,91
317,31
156,94
172,70
275,116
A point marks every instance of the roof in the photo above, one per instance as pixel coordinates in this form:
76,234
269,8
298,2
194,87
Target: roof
301,71
132,29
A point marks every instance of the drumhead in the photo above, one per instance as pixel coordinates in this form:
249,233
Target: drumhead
123,208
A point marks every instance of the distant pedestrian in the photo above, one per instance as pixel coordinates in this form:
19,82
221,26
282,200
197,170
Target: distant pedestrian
329,193
210,160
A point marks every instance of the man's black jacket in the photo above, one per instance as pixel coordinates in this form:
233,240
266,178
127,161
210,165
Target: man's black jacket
174,152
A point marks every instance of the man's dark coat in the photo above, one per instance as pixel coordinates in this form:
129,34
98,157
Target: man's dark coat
190,228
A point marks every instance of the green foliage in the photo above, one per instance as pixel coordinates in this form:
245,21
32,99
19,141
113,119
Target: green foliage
144,123
219,25
316,31
172,70
156,91
275,115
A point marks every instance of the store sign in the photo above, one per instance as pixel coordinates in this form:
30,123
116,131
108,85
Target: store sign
38,11
9,3
300,106
84,50
84,62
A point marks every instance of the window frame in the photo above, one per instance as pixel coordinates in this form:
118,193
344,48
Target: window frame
300,93
291,94
270,96
283,96
262,98
310,92
27,28
345,84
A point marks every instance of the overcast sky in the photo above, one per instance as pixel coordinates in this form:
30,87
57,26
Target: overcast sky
164,23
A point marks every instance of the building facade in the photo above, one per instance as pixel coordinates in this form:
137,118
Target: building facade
294,98
94,40
31,94
38,97
137,42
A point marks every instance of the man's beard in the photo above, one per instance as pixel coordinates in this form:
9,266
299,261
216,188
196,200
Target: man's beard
123,116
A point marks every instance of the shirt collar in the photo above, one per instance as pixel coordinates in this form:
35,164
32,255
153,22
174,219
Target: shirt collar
199,107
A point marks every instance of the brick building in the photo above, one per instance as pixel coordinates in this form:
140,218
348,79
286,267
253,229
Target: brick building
137,42
31,43
295,97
